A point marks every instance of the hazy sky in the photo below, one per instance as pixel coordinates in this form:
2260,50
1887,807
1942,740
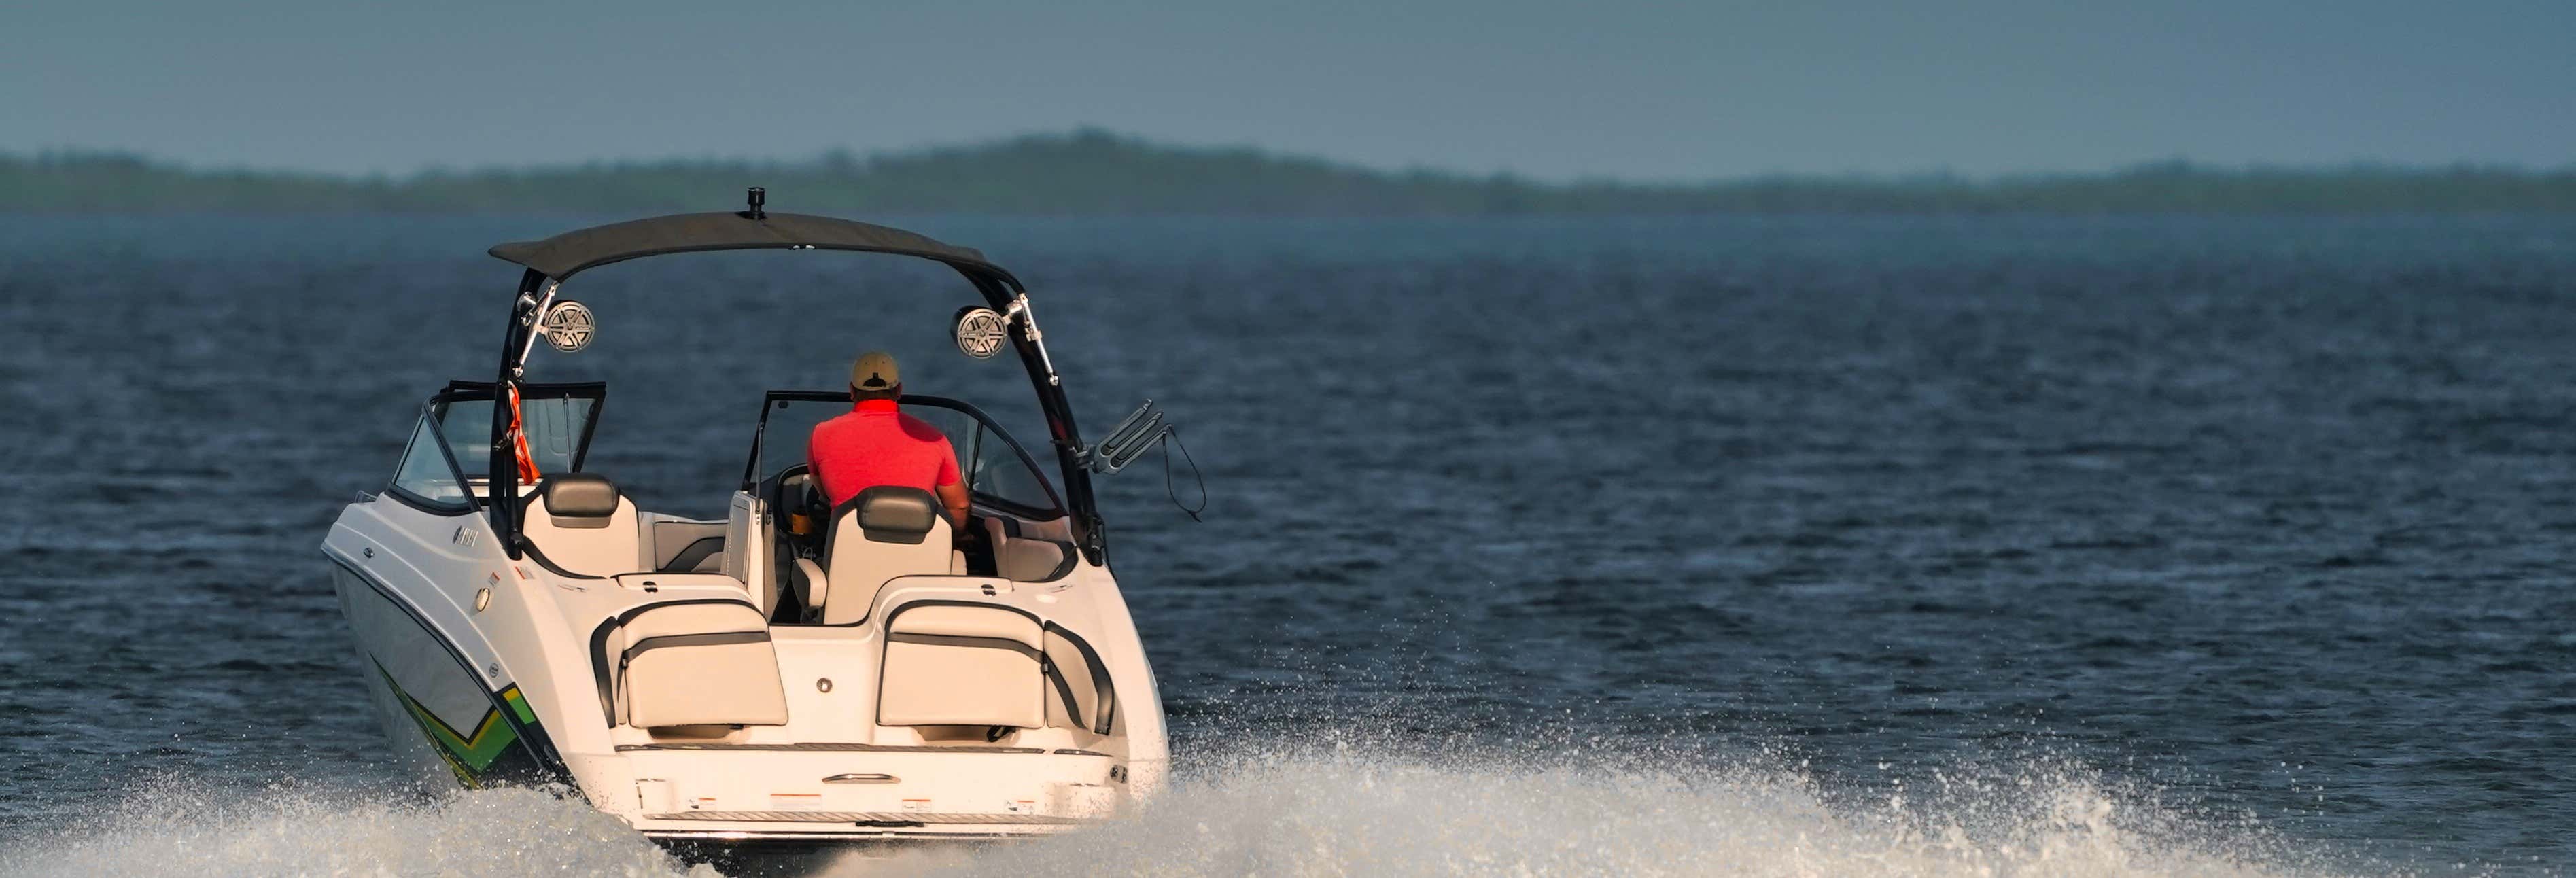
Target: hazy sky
1555,90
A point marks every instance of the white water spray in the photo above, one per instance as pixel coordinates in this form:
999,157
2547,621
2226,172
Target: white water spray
1363,816
1299,815
173,831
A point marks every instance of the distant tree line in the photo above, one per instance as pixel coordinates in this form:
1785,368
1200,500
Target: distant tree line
1096,172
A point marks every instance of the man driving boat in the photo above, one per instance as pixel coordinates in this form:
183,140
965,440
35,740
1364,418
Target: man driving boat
875,444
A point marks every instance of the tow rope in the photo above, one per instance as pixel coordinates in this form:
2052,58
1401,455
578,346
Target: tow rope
528,474
1172,440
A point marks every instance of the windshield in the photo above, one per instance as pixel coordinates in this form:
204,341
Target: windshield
998,473
557,419
427,477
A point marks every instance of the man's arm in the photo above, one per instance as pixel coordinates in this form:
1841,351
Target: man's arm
950,484
814,467
953,496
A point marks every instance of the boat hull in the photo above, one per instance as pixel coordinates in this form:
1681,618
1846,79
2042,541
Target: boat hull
483,671
443,722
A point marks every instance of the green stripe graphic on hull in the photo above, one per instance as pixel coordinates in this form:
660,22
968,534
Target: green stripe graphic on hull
467,755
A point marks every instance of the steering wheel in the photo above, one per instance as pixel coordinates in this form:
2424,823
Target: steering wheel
781,503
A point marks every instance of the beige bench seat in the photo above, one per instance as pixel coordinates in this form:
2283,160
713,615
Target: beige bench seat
957,665
695,663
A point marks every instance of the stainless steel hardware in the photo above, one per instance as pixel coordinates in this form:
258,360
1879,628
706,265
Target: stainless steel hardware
860,778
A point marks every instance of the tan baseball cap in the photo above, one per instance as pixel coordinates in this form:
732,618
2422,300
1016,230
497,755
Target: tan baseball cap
875,371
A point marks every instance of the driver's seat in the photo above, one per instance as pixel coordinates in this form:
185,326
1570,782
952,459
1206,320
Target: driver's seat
885,532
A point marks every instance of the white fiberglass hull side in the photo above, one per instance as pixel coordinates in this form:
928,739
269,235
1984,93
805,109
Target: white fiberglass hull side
419,661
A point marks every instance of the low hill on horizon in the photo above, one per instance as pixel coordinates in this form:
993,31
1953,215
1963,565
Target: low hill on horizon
1093,172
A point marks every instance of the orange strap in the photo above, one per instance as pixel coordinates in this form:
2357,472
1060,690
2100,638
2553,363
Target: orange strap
528,474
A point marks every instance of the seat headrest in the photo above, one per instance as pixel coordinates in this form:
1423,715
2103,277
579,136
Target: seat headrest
588,499
895,514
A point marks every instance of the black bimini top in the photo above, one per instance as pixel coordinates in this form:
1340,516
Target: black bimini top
563,255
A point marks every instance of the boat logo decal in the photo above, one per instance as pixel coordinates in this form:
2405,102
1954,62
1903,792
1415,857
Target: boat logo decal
979,332
569,326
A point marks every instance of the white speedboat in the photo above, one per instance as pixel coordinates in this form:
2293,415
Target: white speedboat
793,672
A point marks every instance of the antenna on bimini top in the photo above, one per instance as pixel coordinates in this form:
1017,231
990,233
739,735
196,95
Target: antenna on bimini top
758,197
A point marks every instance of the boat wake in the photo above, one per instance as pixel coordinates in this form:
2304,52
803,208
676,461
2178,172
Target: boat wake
1301,813
1345,814
171,830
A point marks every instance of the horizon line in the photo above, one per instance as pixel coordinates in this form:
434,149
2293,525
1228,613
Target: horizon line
857,161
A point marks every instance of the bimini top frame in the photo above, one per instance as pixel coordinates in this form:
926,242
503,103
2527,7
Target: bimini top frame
549,262
564,255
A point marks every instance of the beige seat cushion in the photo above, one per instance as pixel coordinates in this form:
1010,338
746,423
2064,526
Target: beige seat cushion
1027,560
954,620
709,617
590,546
1023,558
725,683
686,546
861,562
699,664
962,666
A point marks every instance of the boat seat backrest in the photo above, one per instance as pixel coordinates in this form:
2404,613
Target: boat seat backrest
1077,686
695,663
885,532
687,546
580,522
961,665
1022,558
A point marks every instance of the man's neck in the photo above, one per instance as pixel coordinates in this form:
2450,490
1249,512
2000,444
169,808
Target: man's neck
874,405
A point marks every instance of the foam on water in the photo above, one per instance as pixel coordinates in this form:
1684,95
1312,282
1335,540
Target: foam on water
1354,815
172,830
1304,813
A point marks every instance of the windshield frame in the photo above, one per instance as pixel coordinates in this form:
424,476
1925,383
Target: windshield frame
429,423
752,475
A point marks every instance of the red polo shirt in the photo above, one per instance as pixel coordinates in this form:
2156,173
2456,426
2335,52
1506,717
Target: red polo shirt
877,445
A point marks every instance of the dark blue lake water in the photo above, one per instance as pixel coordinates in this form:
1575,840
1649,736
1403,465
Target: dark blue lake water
2010,546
